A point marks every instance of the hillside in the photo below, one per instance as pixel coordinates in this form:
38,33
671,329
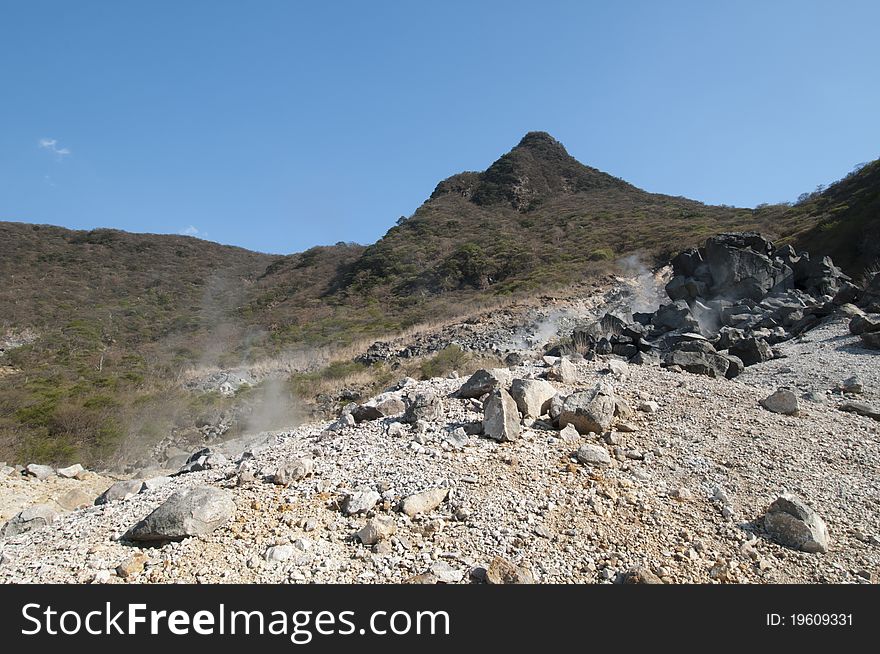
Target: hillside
100,327
844,220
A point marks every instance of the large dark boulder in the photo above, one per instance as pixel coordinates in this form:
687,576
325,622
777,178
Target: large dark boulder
698,363
741,267
751,350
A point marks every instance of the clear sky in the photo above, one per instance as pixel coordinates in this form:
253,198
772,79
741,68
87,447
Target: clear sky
278,125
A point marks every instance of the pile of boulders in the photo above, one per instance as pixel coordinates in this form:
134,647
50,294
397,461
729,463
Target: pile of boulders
865,322
731,301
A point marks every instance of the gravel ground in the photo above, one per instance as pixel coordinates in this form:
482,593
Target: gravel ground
683,495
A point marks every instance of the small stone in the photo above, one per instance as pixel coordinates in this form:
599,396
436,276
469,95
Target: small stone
593,454
70,472
502,571
155,482
377,529
30,519
445,573
74,499
569,434
782,401
360,502
279,553
794,524
40,471
292,470
132,566
121,491
423,502
649,407
640,575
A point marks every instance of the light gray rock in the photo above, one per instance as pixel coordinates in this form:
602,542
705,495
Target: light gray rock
377,529
70,472
155,482
32,518
589,411
423,502
279,553
121,491
293,470
532,396
852,385
782,401
569,434
563,371
423,405
360,502
593,454
485,381
445,573
40,471
649,407
501,417
792,523
190,512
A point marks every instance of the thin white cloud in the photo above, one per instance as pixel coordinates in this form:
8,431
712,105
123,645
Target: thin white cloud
52,146
192,230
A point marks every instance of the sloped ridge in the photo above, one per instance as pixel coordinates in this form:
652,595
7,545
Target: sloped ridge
538,168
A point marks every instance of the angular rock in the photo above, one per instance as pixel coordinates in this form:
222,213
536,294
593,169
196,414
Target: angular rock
121,491
864,323
698,363
155,482
423,502
675,316
569,434
74,499
751,351
862,409
792,523
589,411
563,371
735,366
132,566
500,417
532,396
871,340
30,519
782,401
360,502
279,553
423,405
640,575
593,454
70,472
445,573
485,381
377,529
502,571
40,471
293,470
190,512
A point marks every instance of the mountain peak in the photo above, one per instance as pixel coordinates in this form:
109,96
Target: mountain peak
539,168
540,140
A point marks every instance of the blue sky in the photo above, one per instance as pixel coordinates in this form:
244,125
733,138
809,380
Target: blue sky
281,125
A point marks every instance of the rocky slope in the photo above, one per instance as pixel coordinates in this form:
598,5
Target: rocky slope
584,468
